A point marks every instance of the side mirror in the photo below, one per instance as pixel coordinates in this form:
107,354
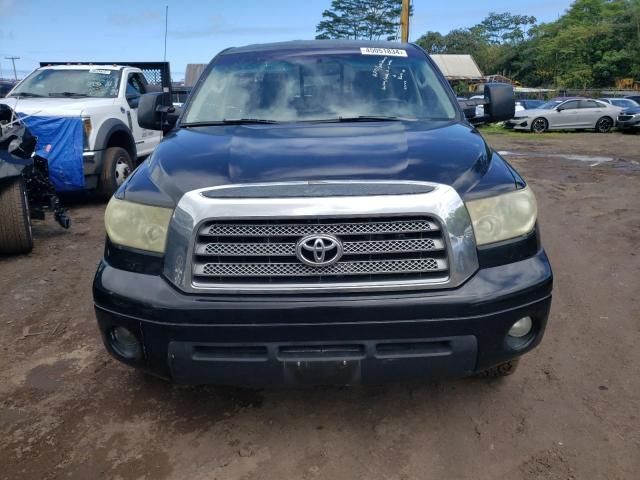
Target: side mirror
156,111
559,109
501,102
468,108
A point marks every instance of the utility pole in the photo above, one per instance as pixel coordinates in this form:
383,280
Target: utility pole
166,25
404,21
13,61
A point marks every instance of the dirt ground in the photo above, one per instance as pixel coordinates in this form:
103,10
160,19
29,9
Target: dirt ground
572,411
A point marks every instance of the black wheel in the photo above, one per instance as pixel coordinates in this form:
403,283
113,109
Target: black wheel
503,370
539,125
115,170
16,235
604,125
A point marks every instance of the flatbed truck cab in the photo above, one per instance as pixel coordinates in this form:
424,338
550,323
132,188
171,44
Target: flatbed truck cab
321,212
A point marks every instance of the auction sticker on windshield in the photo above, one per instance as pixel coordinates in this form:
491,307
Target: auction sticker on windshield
390,52
100,71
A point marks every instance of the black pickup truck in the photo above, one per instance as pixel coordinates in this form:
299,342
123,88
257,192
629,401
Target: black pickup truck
322,212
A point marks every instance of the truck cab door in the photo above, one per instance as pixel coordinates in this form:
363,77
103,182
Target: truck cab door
146,140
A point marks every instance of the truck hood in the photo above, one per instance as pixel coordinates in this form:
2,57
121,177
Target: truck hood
631,111
191,158
54,107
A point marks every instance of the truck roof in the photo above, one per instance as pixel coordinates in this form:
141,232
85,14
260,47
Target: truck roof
82,66
338,44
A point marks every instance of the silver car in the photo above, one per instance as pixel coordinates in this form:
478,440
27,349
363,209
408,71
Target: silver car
567,114
623,103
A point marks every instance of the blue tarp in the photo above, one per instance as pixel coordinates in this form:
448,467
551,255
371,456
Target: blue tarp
60,141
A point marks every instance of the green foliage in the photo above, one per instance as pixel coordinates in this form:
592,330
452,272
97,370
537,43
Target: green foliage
504,28
361,19
461,89
595,43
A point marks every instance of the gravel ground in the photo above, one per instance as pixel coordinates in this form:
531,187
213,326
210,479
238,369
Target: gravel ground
67,410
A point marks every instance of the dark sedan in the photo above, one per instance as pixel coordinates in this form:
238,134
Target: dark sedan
629,120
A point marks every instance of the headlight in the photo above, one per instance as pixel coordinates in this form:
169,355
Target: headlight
504,216
137,226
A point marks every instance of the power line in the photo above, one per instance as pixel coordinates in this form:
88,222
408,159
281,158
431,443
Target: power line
13,61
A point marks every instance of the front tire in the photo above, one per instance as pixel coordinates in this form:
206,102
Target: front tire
604,125
16,235
117,166
539,125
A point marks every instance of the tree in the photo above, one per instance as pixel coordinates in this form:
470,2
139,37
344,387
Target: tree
432,42
500,28
361,19
594,44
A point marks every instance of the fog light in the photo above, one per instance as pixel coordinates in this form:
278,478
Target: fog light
521,328
125,343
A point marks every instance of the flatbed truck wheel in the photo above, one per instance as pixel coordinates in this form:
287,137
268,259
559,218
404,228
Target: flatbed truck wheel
118,165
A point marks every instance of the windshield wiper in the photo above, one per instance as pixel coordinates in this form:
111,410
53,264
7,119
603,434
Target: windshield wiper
363,118
370,118
234,121
67,94
26,94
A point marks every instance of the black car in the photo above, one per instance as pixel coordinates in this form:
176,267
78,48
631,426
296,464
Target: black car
322,212
5,87
629,120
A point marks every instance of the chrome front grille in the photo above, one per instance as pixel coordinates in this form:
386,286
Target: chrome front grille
289,229
254,252
302,270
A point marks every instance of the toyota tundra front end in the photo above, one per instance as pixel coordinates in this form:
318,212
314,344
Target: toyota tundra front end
322,212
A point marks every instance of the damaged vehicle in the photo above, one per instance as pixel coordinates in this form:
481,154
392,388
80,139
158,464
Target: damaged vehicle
85,116
322,212
26,191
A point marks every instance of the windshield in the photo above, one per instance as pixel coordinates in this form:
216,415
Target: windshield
550,105
624,103
69,83
303,86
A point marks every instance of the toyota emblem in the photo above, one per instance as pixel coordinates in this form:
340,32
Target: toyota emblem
319,250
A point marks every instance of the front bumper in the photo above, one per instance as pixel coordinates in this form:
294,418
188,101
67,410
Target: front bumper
353,338
517,124
633,124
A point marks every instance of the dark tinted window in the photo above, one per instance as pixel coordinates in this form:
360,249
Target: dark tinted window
590,104
570,105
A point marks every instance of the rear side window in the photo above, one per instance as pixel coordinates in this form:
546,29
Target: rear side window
590,104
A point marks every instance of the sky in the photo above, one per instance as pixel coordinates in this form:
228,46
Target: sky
133,30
